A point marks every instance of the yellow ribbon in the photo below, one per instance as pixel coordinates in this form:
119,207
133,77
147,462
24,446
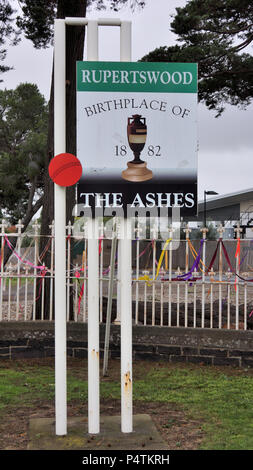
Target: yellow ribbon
148,279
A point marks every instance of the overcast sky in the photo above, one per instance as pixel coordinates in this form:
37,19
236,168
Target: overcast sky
225,157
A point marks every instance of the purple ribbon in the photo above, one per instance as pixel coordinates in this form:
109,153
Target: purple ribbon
188,275
245,254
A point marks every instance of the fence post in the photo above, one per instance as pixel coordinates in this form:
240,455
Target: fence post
204,232
137,268
85,276
220,230
154,231
109,302
2,225
19,226
118,301
36,256
170,274
238,231
101,267
187,231
211,275
229,275
52,271
69,229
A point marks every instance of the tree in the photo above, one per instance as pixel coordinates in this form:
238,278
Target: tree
23,130
212,233
214,33
74,52
36,22
7,31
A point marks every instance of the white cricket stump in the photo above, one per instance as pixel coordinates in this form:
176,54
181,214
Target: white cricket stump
125,282
60,316
118,302
126,327
60,235
125,256
93,329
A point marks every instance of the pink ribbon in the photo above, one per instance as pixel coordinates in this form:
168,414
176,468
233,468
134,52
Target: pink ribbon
80,298
42,268
43,273
1,255
100,245
144,251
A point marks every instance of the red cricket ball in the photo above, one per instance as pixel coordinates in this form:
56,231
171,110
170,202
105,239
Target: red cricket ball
65,169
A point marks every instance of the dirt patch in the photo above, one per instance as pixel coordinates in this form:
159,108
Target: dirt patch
175,428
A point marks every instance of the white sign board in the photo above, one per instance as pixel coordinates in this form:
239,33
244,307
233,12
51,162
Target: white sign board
137,134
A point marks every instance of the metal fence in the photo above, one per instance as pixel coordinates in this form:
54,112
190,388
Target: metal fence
201,284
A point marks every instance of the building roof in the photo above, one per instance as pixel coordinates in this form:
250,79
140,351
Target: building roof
225,200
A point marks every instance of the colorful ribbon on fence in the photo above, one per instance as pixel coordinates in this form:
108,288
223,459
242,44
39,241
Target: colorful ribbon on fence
1,257
237,255
77,275
43,273
220,241
42,268
46,248
100,245
144,251
80,298
188,275
146,277
183,277
242,260
230,265
194,254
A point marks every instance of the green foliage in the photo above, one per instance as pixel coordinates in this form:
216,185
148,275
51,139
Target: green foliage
37,18
214,33
7,30
212,233
182,234
23,131
37,21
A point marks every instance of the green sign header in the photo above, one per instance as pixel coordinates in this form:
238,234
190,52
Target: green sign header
149,77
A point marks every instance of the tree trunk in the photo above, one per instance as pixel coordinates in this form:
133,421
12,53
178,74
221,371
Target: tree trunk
74,52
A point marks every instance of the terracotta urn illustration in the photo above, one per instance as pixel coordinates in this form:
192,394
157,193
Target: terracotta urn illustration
137,134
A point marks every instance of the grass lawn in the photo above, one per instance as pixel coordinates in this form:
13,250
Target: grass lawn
219,399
